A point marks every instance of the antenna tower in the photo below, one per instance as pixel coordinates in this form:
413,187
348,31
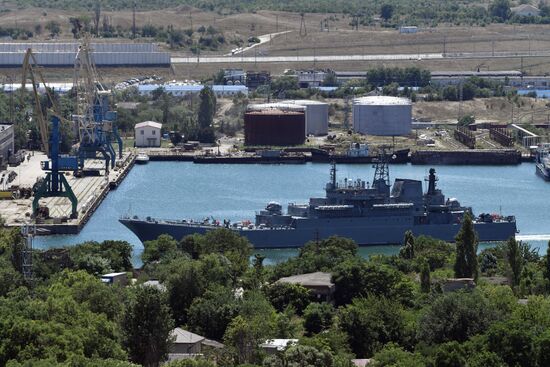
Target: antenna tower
28,233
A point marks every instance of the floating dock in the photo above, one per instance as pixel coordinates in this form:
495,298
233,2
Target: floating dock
89,190
467,157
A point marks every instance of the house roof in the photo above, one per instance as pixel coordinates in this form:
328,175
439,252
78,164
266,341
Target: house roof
279,344
150,124
185,337
155,284
310,279
525,8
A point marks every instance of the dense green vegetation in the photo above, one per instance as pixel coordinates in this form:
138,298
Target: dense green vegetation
390,308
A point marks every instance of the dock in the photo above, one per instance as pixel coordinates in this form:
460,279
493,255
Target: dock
89,190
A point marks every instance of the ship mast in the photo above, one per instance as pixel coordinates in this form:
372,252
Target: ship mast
333,174
431,182
382,169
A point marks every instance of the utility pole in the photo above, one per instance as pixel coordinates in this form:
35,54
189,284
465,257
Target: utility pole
134,21
303,30
276,24
444,45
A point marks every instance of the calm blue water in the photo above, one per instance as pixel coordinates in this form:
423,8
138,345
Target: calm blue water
541,93
186,190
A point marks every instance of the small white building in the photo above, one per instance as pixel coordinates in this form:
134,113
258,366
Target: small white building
115,278
525,10
147,134
408,29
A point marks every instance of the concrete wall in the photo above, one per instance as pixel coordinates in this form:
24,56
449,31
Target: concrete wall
382,120
147,136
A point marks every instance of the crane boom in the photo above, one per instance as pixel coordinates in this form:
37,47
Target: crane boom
31,71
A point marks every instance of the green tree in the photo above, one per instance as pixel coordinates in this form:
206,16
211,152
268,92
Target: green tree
425,281
147,326
99,258
53,27
300,355
386,11
282,85
407,249
500,9
513,342
184,281
547,265
318,317
450,354
282,295
210,314
359,278
242,338
466,250
455,317
207,110
466,120
330,80
394,355
223,241
371,323
163,247
515,260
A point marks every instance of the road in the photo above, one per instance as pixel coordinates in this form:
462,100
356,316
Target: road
379,57
263,39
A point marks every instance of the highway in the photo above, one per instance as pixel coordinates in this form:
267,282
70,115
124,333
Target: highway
379,57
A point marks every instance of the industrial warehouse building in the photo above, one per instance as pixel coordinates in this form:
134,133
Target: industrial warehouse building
382,115
274,126
56,54
316,113
183,89
147,134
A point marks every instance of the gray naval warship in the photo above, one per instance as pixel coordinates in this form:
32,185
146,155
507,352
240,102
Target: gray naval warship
370,214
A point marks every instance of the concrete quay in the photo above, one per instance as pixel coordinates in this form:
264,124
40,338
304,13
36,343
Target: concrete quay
89,190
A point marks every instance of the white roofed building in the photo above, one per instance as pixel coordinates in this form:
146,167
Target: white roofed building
525,10
147,134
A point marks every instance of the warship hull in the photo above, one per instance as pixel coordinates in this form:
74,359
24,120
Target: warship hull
361,230
543,171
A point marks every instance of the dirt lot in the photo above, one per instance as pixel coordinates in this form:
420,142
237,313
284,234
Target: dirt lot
339,39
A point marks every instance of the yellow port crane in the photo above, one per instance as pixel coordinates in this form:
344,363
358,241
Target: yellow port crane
31,73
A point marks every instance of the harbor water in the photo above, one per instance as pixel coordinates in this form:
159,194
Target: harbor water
183,190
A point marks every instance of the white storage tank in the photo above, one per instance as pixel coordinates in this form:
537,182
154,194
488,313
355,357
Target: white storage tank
382,115
316,116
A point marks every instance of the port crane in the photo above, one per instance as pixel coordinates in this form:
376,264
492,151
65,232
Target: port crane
96,124
54,184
